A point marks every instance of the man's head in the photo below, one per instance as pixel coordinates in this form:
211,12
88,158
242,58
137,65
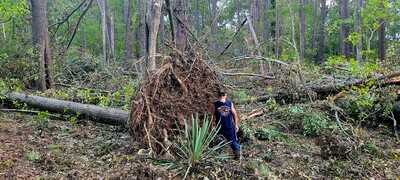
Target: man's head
222,94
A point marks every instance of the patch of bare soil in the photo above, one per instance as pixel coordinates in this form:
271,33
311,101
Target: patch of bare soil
72,151
95,151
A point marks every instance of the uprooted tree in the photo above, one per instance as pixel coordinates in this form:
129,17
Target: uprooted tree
183,85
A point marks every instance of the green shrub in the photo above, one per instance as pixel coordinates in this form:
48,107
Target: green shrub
271,104
240,95
41,121
370,148
352,67
270,134
193,151
33,156
245,133
314,123
368,104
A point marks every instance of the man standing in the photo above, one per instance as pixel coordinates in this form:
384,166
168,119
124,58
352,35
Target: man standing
225,114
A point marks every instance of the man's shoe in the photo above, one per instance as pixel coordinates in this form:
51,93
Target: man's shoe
237,155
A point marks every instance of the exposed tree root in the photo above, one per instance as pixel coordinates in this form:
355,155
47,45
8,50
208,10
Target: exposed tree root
184,85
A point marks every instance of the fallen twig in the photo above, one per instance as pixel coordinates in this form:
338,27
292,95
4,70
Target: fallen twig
394,125
29,112
247,74
261,58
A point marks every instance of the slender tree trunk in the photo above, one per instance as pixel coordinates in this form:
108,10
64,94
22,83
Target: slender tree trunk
142,28
344,28
277,30
162,29
315,24
321,47
357,29
238,50
255,39
214,24
154,27
110,32
40,38
302,30
128,30
181,34
83,45
255,14
171,20
381,41
102,7
239,19
197,16
266,20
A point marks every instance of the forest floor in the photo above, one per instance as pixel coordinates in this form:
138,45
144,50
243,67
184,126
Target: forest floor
94,151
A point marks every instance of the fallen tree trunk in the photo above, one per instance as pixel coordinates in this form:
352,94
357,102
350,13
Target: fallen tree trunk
98,114
333,89
327,89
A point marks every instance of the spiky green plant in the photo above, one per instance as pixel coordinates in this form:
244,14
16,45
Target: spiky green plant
193,150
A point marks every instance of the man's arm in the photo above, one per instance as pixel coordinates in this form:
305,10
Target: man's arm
236,118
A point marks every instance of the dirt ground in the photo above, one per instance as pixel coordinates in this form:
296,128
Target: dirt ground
94,151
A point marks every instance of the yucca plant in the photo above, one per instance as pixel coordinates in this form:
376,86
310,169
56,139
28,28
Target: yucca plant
193,150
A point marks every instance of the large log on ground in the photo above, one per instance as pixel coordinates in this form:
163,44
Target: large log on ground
98,114
329,89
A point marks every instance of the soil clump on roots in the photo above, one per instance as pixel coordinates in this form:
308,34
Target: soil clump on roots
183,86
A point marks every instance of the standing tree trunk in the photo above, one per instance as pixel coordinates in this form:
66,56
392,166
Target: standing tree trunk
239,20
110,32
344,28
302,31
256,43
357,29
197,16
239,49
142,28
214,24
154,27
128,31
83,45
266,20
315,25
277,30
255,14
181,34
321,47
381,41
381,37
103,29
40,38
161,31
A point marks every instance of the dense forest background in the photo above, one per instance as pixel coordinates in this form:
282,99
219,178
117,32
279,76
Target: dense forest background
315,83
294,31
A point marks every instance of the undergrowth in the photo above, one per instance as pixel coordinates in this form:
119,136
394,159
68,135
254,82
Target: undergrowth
193,153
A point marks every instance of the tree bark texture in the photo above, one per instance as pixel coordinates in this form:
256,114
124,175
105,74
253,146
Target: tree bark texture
181,33
40,38
381,41
321,41
344,28
302,31
98,114
154,27
214,24
128,31
315,24
142,29
357,29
